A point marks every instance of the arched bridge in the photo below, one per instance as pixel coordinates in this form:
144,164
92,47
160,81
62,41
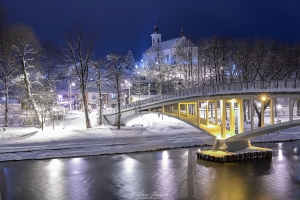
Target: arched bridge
219,110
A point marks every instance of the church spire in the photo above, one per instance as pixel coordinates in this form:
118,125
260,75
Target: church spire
156,27
181,32
156,37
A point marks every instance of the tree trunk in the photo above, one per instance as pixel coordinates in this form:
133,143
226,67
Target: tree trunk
119,104
28,91
100,122
248,114
85,107
6,103
259,119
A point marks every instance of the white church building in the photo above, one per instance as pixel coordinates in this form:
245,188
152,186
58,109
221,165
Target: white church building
165,51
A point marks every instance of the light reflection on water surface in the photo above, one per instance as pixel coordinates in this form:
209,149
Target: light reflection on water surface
169,174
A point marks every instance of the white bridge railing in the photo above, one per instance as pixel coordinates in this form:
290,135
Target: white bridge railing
239,87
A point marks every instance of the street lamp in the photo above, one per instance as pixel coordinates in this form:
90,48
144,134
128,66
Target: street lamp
263,98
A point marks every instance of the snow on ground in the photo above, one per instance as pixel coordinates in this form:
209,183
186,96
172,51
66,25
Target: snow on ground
72,139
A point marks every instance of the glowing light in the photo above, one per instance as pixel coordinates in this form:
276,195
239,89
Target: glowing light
73,84
232,100
263,98
259,104
136,66
279,106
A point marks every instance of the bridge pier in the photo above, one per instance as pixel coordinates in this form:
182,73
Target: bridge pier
223,118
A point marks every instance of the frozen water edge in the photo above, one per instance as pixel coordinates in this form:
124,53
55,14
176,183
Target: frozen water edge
76,141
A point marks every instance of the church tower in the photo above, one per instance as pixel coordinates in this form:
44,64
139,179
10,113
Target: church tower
156,37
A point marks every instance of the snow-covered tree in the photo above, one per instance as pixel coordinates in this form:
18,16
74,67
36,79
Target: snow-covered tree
51,60
7,70
26,47
79,49
117,68
130,61
186,53
99,68
45,103
138,87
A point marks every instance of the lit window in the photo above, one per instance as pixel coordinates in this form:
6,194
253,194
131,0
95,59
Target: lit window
113,96
94,96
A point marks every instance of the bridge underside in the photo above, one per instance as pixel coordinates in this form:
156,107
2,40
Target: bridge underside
223,117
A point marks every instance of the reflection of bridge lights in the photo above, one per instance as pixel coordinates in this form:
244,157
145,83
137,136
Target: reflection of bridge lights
295,150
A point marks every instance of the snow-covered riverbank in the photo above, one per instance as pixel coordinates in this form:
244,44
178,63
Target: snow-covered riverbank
75,141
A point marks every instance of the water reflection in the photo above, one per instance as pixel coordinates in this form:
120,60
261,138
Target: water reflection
54,167
176,173
129,165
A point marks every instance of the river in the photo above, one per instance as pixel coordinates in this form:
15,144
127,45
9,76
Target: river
169,174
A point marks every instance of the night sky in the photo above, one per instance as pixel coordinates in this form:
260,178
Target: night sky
127,24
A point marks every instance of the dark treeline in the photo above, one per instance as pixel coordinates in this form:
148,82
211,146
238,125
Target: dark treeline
225,60
221,60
